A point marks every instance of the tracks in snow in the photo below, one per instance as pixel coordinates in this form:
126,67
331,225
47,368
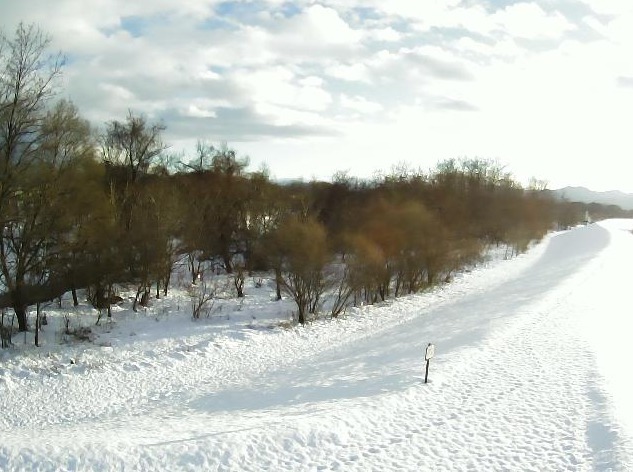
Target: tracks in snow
514,386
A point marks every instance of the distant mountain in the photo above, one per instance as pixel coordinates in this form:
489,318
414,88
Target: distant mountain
584,195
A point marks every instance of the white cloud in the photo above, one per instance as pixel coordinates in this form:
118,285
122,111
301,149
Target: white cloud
519,20
197,112
312,81
530,21
209,75
610,7
360,104
201,107
383,34
620,31
279,86
426,12
350,72
504,49
596,25
325,24
415,67
280,115
317,32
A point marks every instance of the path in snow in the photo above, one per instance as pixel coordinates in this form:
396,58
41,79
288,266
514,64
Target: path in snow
523,380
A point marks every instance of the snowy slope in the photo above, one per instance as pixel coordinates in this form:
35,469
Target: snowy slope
528,375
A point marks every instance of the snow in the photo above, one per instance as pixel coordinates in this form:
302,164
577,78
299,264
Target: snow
529,374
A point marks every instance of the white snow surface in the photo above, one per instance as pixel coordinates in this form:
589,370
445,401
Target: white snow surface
530,374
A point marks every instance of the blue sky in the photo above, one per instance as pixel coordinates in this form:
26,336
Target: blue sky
310,88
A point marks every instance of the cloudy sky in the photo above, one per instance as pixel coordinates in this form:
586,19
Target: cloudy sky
544,87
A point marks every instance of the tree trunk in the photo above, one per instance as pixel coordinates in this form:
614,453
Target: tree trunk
166,284
75,299
20,313
192,268
226,258
37,326
145,297
138,294
238,281
278,282
109,303
225,251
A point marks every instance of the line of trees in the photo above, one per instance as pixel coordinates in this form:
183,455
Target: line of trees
96,209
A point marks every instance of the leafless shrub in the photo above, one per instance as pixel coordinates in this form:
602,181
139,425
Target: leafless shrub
202,297
239,277
339,280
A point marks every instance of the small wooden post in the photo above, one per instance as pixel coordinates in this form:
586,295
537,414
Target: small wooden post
428,355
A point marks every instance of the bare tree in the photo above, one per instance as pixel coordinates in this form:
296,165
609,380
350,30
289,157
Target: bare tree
27,76
133,144
304,256
203,159
202,298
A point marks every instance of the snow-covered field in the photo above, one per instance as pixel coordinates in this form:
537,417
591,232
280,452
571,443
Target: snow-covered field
530,374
